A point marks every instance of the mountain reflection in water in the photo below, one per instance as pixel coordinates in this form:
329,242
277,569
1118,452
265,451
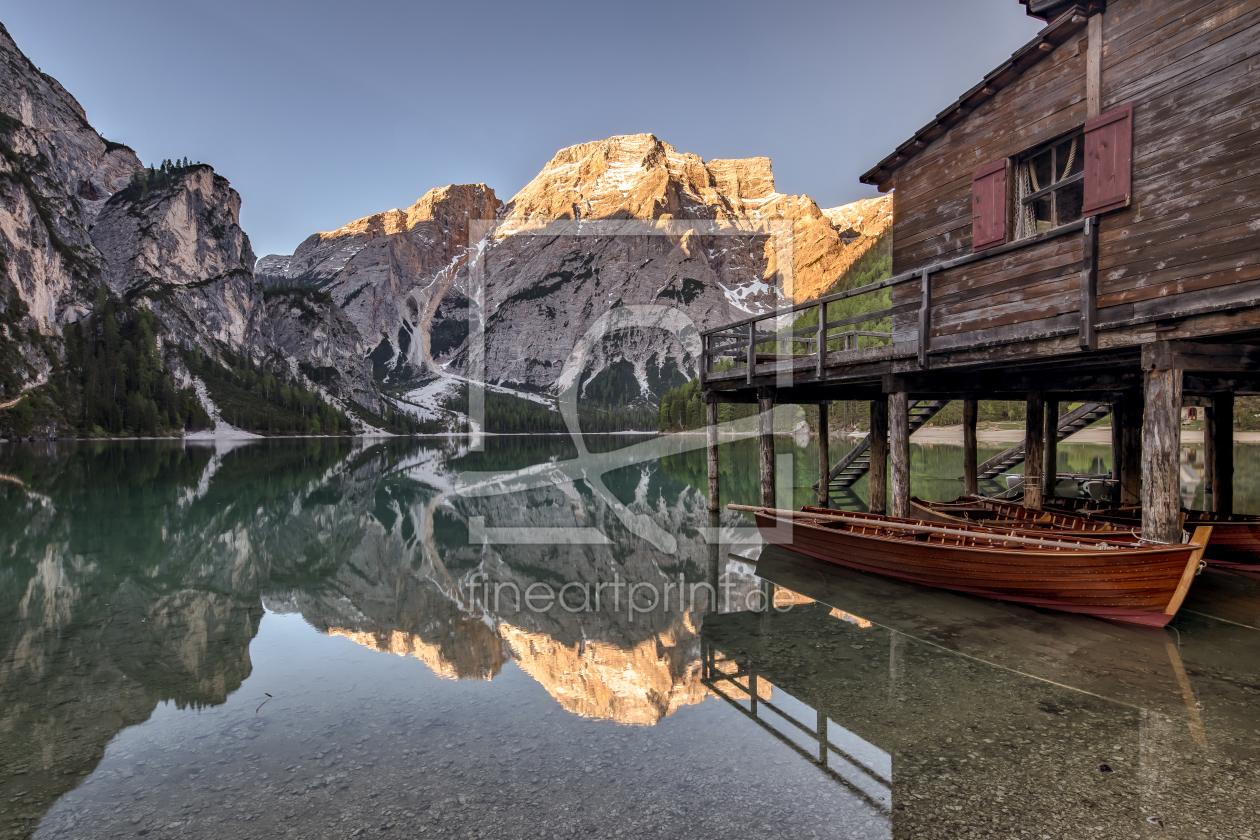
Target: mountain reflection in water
247,605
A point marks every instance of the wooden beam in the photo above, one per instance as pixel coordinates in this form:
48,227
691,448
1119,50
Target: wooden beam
1200,356
765,427
751,358
824,457
1050,431
1034,449
1161,445
1129,471
1218,446
879,456
711,430
971,482
1093,67
1088,338
1013,380
899,452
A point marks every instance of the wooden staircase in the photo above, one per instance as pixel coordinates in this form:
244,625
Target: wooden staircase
857,462
1069,424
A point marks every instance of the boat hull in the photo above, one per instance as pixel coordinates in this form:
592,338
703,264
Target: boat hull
1235,540
1132,585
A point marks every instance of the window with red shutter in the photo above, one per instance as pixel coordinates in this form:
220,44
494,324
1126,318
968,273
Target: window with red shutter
988,206
1109,160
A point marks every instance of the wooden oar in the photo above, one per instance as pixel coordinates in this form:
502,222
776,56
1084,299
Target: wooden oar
1100,545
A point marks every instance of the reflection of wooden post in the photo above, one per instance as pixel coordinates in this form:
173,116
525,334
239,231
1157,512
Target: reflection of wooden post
1161,443
879,457
971,483
824,457
1129,463
711,429
821,729
765,423
1050,475
715,563
1218,454
899,451
1034,451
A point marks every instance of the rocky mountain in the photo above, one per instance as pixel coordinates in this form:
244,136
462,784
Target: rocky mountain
861,225
630,223
78,212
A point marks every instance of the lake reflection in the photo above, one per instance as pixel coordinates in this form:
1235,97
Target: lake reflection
295,638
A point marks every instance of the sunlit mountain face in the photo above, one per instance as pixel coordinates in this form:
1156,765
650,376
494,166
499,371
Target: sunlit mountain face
328,636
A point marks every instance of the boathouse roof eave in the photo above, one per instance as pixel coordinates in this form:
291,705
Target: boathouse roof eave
1058,32
1049,9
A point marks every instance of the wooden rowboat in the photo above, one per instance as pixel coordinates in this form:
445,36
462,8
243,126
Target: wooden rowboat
1235,539
996,513
1137,584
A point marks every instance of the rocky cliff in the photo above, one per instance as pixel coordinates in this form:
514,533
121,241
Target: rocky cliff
55,174
178,245
77,211
389,272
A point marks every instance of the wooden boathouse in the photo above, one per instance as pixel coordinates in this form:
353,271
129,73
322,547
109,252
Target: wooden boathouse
1083,225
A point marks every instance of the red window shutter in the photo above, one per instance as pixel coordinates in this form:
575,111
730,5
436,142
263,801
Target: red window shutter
988,206
1109,161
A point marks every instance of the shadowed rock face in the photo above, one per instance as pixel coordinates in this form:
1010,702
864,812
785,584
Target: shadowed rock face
182,248
390,271
57,174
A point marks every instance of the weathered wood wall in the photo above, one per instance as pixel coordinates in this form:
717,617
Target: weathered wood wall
1192,68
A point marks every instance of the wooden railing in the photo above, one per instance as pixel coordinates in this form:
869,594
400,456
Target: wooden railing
746,343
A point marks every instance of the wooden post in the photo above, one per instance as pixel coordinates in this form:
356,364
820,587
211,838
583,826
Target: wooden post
711,429
824,457
925,317
1088,338
879,456
1129,469
1161,445
765,425
1093,66
899,451
971,481
1218,452
1050,475
820,341
1034,451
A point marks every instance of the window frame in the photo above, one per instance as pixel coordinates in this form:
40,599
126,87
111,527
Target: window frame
1018,204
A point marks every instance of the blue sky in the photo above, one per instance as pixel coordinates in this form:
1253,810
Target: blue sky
320,113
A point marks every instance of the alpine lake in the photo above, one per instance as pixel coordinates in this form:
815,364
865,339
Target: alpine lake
327,638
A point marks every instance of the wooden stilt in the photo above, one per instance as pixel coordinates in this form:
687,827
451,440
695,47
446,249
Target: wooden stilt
1218,451
1050,474
879,456
1161,443
765,424
1034,449
824,457
971,481
899,451
1130,469
1117,421
711,428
